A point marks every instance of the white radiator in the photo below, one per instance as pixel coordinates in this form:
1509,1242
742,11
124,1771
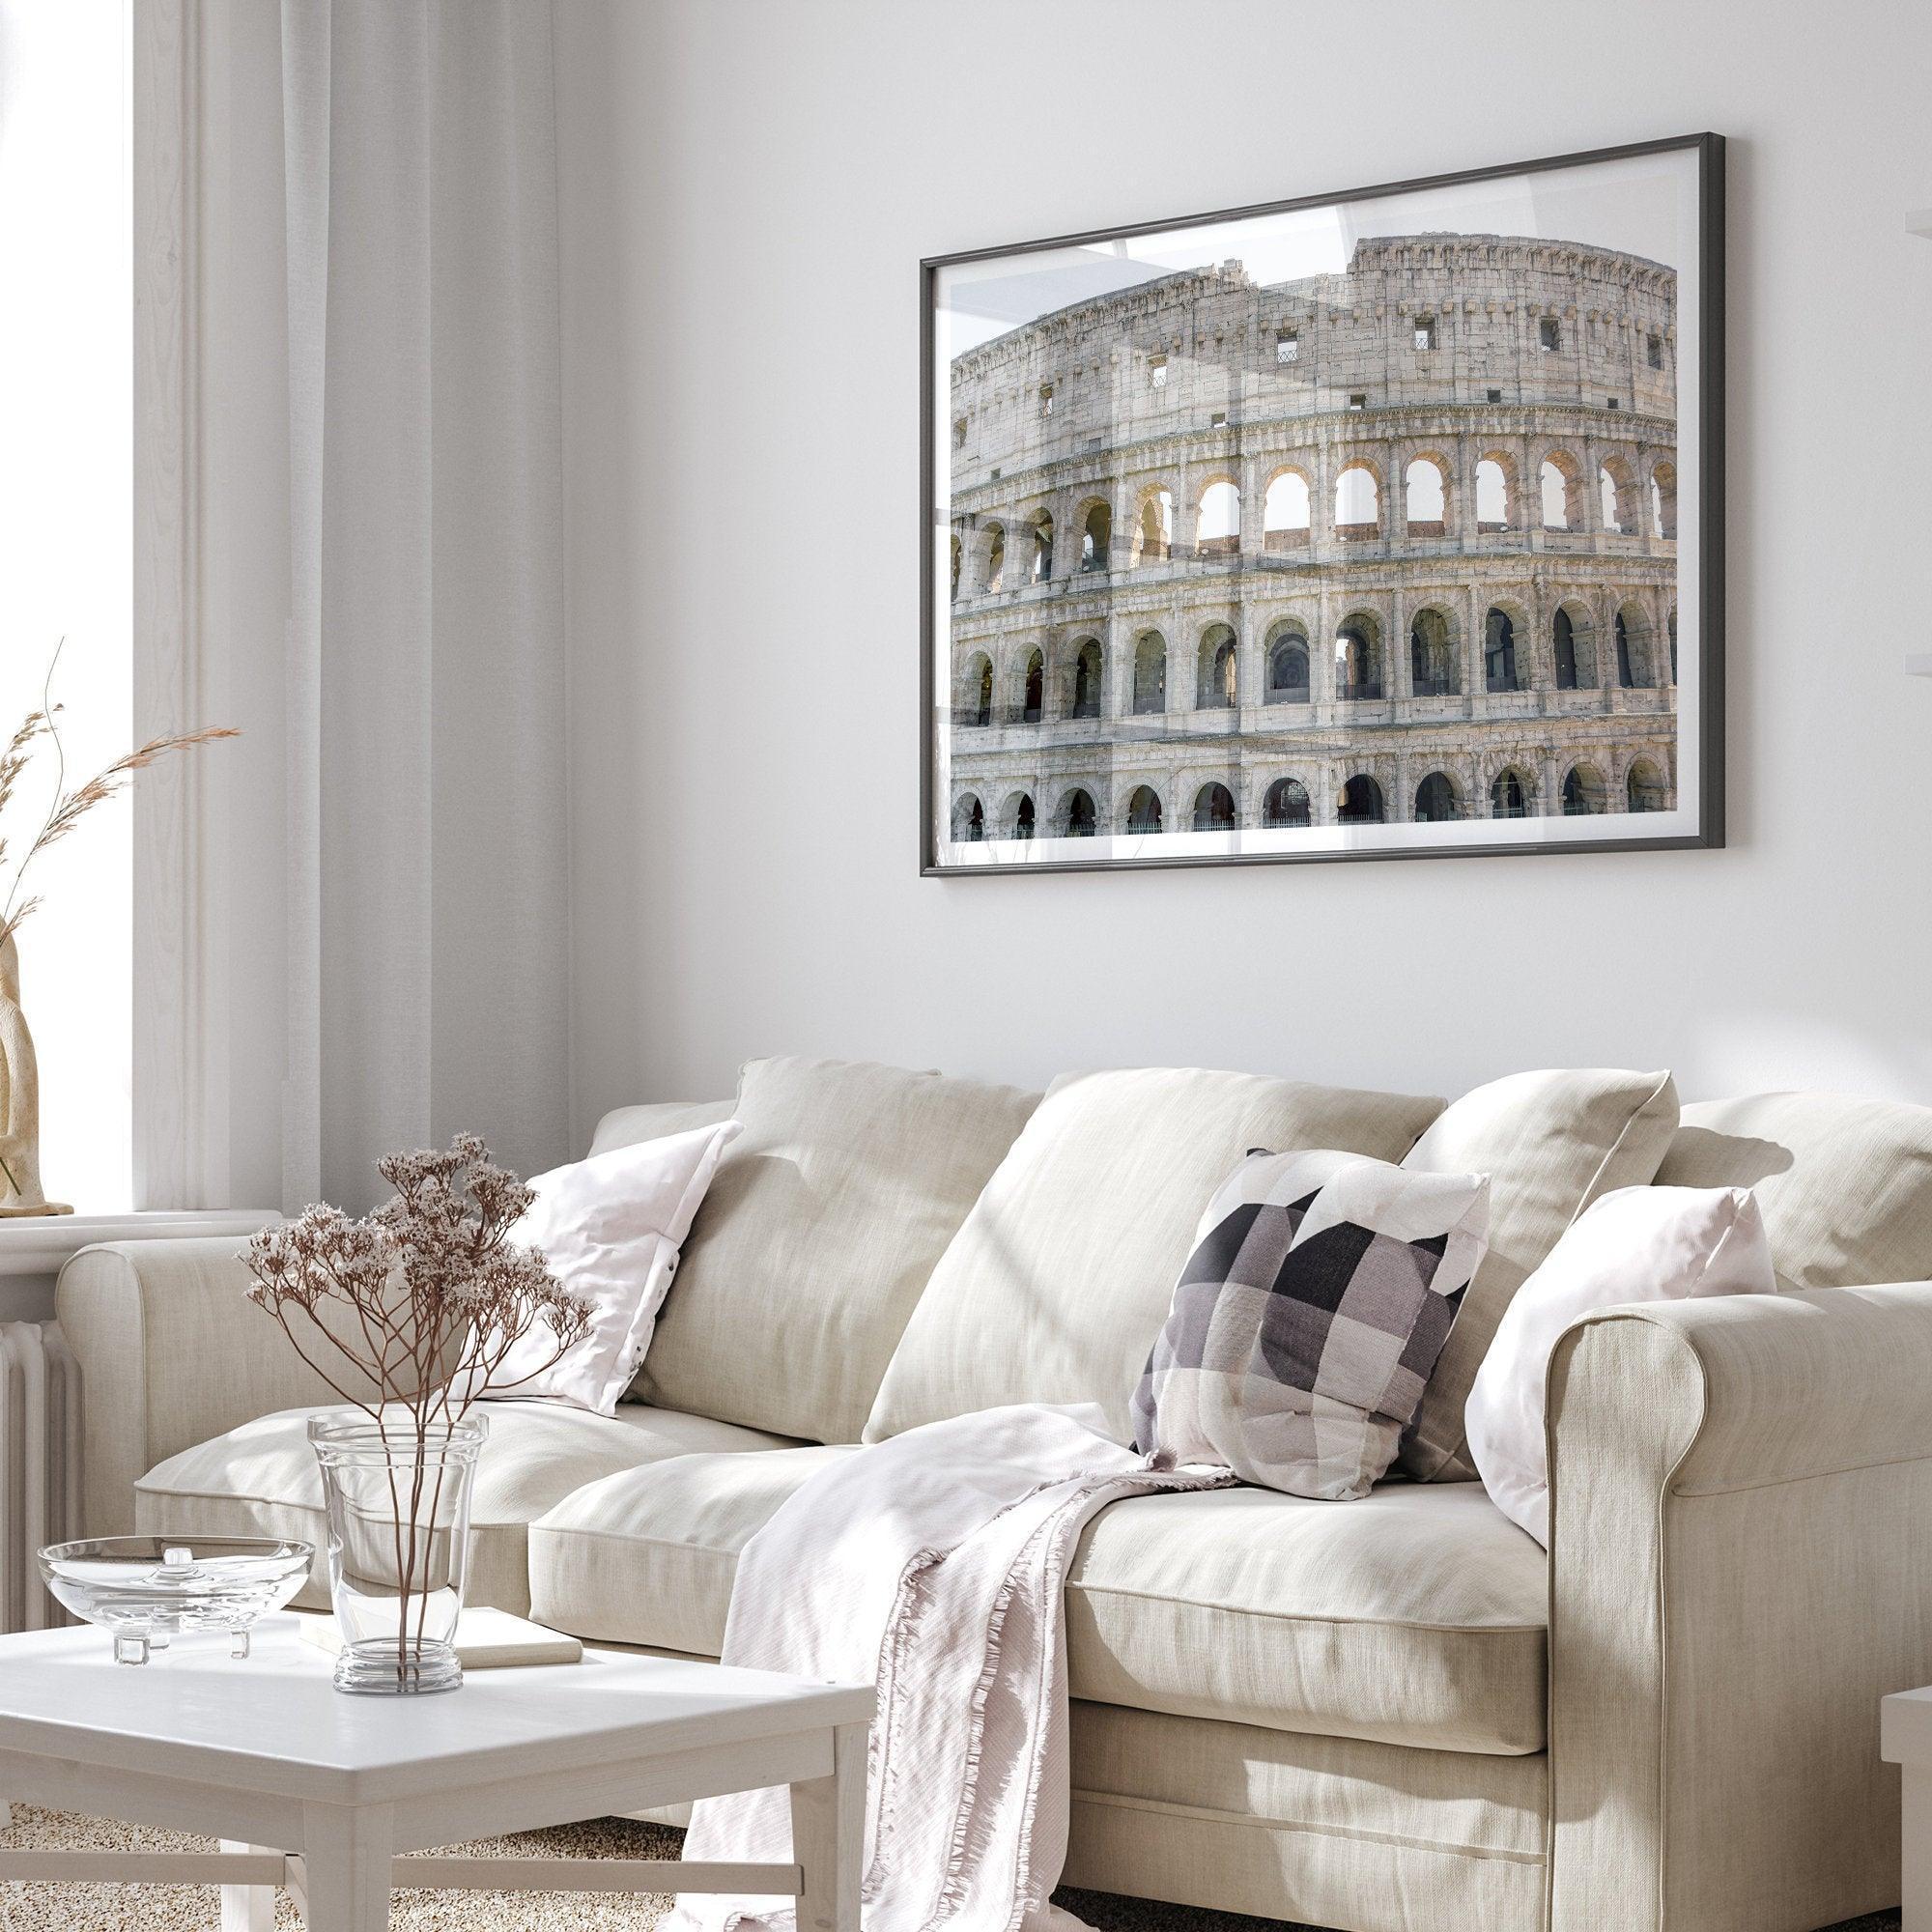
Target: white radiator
40,1466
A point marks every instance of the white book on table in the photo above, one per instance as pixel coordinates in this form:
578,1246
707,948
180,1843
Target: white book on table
486,1639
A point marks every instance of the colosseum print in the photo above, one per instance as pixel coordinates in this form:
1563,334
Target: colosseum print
1348,561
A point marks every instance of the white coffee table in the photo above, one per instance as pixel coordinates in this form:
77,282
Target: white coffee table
320,1792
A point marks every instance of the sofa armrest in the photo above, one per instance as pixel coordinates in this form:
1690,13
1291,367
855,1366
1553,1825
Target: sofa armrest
170,1354
1740,1490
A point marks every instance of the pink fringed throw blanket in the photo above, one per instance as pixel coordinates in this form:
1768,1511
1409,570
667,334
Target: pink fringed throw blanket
933,1564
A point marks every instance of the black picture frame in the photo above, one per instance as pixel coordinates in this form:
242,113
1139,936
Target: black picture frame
1707,528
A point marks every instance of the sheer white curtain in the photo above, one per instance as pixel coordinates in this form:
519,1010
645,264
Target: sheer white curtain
427,926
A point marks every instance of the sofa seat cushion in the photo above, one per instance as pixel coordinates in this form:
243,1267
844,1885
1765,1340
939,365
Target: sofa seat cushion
1415,1616
262,1480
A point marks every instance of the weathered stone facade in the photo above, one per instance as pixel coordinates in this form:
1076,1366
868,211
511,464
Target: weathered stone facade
1413,524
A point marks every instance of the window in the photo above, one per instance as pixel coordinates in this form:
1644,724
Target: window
1218,420
1285,804
1086,694
1663,500
1357,501
1549,334
1359,402
1432,659
996,558
1607,500
1150,674
996,472
1043,549
1046,399
958,432
1033,688
1285,512
1144,810
1214,809
1079,814
1425,332
1611,403
1097,533
1153,528
1492,496
1287,670
1562,495
1509,796
1630,654
1425,497
1360,802
1563,641
968,820
976,701
1582,792
1645,789
1286,345
1217,529
1499,667
1435,799
1156,371
1495,395
1216,683
1653,350
1022,823
1358,666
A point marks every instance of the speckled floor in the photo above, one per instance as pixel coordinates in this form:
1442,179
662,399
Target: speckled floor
188,1908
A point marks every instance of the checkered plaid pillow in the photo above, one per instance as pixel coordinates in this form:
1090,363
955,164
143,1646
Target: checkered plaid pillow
1320,1292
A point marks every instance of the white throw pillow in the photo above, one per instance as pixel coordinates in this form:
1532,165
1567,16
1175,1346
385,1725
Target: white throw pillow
611,1228
1638,1244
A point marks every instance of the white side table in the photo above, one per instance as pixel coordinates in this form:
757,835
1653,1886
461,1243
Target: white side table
1905,1739
319,1792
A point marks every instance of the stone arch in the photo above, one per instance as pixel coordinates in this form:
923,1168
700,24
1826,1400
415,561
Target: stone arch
1214,809
1431,653
1426,493
1664,500
974,701
1085,669
1017,818
1150,692
1077,816
1218,524
956,559
1217,669
969,819
1359,499
1670,629
1497,503
1616,490
1438,799
1093,518
993,557
1039,553
1286,509
1358,656
1032,687
1573,645
1629,645
1153,526
1141,811
1583,794
1285,805
1360,802
1513,793
1645,786
1560,487
1507,654
1285,664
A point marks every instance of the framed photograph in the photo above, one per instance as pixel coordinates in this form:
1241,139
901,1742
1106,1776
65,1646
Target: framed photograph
1376,525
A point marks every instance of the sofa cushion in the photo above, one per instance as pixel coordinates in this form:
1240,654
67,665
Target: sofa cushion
1414,1616
626,1127
262,1480
1060,1278
818,1236
1551,1143
1844,1183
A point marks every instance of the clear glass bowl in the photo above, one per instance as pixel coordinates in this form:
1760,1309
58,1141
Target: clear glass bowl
145,1590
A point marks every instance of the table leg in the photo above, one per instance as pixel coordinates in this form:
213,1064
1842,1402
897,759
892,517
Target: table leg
346,1853
1915,1849
828,1832
246,1908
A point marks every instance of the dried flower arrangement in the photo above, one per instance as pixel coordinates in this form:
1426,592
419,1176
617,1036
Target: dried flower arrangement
423,1299
19,1082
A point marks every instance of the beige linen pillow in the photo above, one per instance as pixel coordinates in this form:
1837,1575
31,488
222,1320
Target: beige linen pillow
1844,1183
817,1235
626,1127
1551,1143
1059,1282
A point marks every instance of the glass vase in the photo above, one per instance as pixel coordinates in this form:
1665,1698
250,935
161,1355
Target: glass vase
397,1493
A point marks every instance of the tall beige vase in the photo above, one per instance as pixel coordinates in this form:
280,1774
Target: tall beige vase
19,1100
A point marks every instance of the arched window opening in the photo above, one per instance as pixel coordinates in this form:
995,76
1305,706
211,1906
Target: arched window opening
1154,529
1285,804
1361,802
1086,680
1425,497
1563,644
1357,502
1095,538
1218,529
1509,796
1043,548
1432,656
996,558
1020,815
1285,513
1080,820
1287,670
1663,500
1358,665
1499,665
1033,688
1561,510
1151,673
1217,670
958,553
1607,489
1144,810
978,690
1435,801
1214,809
1672,626
1631,670
1582,792
1492,504
969,821
1646,789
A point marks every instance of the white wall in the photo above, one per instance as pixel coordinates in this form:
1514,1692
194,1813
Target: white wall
747,188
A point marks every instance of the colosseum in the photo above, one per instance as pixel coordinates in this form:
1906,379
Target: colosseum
1395,544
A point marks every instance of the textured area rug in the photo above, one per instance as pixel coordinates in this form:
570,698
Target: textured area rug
191,1907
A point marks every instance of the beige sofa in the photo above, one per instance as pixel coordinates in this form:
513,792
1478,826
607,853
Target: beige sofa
1396,1715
